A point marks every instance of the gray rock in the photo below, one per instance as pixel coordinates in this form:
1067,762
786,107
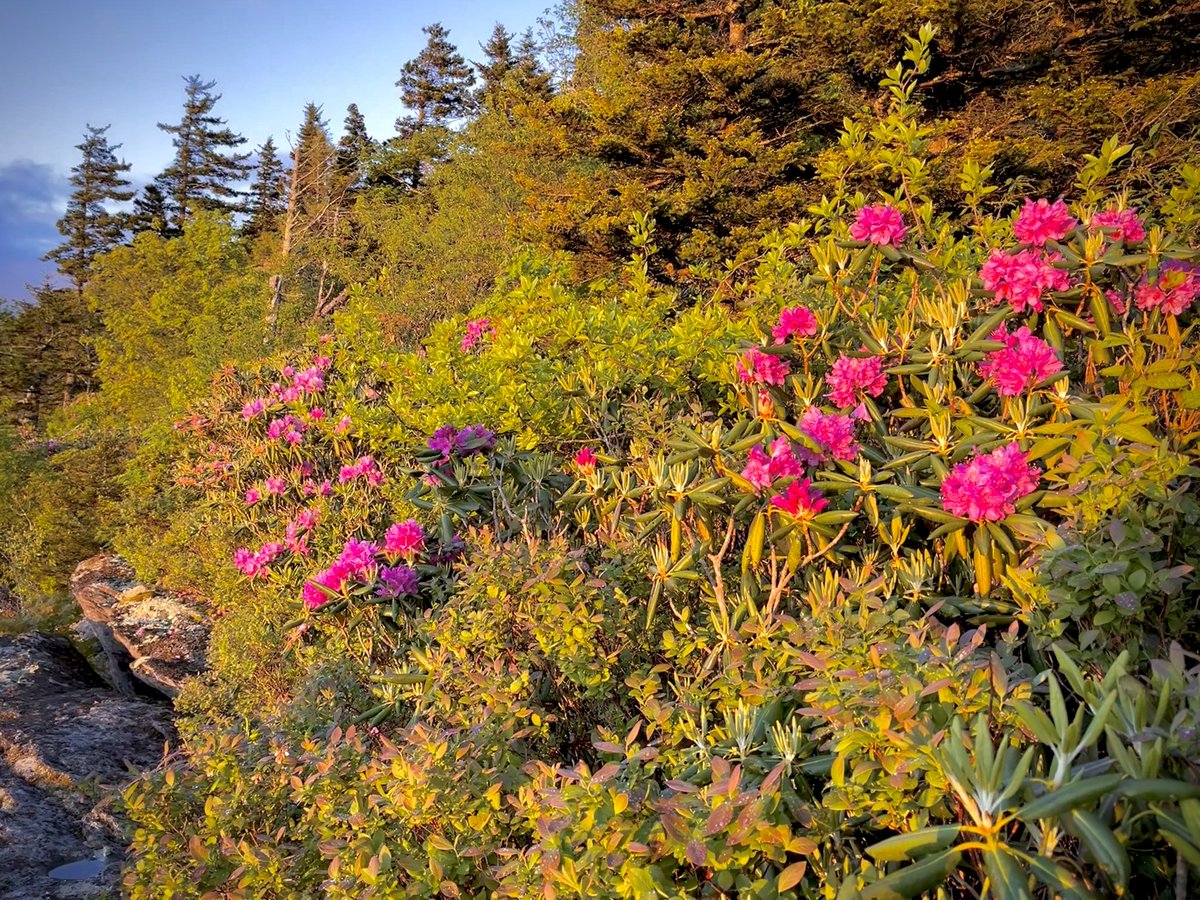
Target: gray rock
156,636
67,742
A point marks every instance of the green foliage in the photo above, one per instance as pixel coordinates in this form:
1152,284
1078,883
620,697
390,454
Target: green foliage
174,312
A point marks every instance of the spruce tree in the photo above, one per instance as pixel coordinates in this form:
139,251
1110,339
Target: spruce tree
206,165
267,200
315,161
355,146
531,77
89,227
493,72
436,86
150,211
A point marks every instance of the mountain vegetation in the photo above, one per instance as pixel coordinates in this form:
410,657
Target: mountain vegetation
739,449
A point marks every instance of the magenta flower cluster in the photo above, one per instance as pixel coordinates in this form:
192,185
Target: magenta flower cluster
1022,278
1173,292
288,428
1120,225
359,563
477,330
365,468
762,470
756,367
794,321
254,563
1024,361
832,431
880,224
585,459
450,441
405,539
800,501
850,377
1041,221
988,487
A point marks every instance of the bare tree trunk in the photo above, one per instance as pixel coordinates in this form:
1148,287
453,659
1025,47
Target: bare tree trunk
285,249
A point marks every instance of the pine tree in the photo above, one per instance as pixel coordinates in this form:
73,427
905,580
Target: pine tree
89,227
436,85
150,212
499,64
315,162
355,146
267,200
530,75
206,166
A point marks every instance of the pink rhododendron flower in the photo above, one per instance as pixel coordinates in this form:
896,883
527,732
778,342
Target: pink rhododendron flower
988,487
801,500
289,428
288,371
1024,361
449,440
333,579
756,367
253,564
397,581
253,408
365,468
290,394
762,470
834,432
1022,278
322,362
316,414
585,459
253,496
784,463
1174,291
343,425
758,469
357,560
405,539
1041,221
476,331
794,321
879,224
310,381
851,375
276,486
1123,225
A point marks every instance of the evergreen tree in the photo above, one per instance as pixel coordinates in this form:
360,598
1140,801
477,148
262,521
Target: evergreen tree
206,166
48,356
316,165
267,200
532,78
150,211
88,226
500,62
436,85
355,146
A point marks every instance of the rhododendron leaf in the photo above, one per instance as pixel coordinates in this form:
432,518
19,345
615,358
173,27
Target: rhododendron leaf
1068,320
915,879
914,844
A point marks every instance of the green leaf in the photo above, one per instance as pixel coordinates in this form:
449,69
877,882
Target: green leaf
1008,879
1148,790
915,879
1076,794
914,844
1101,844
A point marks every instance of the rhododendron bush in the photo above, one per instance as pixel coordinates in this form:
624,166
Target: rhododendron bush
871,576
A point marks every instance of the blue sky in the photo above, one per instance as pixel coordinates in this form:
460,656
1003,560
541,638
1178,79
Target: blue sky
65,63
